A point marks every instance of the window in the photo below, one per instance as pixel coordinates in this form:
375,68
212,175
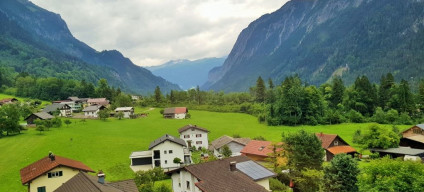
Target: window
188,184
186,136
54,174
336,143
166,161
198,135
417,131
198,142
164,152
41,189
170,151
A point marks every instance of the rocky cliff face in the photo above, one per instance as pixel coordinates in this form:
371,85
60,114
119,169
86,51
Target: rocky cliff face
49,29
317,39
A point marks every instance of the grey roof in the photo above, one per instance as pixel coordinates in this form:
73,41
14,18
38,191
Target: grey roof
401,150
254,170
83,182
189,126
54,107
42,115
224,140
73,98
167,137
92,108
420,126
124,109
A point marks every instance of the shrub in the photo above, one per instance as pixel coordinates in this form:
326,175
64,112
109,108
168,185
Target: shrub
161,111
355,116
276,186
392,115
177,160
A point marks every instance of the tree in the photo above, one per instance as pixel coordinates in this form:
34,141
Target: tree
150,176
103,114
303,150
226,151
341,174
67,122
260,90
122,100
309,180
120,115
392,175
378,137
103,89
270,84
40,128
163,188
385,91
158,95
362,97
9,119
337,92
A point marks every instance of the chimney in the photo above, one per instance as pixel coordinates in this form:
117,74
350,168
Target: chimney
233,166
101,177
51,156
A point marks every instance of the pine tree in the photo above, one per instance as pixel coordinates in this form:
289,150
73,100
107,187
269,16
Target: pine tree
337,93
158,95
385,90
260,90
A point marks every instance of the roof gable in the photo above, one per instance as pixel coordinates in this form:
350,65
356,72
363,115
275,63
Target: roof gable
93,108
224,140
167,137
55,106
41,115
327,139
45,164
260,148
189,126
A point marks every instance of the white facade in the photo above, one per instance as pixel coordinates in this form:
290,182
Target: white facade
184,181
195,137
180,116
92,113
127,111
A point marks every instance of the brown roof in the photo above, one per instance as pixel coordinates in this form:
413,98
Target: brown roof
215,176
83,182
326,139
175,110
7,100
224,140
260,148
44,165
341,149
189,126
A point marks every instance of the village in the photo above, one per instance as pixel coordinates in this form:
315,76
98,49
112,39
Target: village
236,163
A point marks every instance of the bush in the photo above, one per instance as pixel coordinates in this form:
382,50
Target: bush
404,119
276,186
161,111
188,116
392,115
355,116
259,138
177,160
380,116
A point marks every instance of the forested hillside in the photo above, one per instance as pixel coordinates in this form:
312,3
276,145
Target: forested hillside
38,42
319,39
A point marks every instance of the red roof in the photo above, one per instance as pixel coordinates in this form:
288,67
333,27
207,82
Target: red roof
341,149
180,110
7,100
44,165
260,148
326,139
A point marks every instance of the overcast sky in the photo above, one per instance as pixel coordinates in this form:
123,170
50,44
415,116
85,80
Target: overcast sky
151,32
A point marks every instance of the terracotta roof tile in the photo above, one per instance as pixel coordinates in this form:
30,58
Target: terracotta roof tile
175,110
341,149
326,139
44,165
260,148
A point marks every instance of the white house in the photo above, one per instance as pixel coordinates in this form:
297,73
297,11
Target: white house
98,101
63,109
175,113
235,145
162,153
194,136
127,111
93,110
226,175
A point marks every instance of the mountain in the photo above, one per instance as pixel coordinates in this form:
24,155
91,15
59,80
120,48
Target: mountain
317,39
39,42
187,74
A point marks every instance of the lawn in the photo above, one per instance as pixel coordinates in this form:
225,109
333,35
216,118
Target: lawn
106,145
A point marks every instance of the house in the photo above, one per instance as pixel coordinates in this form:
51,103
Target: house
161,153
333,145
135,97
235,145
194,136
226,175
175,113
261,150
85,182
74,102
64,109
413,137
50,172
41,115
399,152
98,101
127,111
93,110
8,101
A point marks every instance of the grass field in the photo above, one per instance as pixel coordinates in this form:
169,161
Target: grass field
107,145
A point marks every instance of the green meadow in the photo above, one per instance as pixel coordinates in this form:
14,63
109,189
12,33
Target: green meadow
106,145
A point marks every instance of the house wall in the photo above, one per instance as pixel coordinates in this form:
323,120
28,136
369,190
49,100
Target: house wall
413,131
264,183
179,182
53,183
255,157
66,112
91,113
235,148
180,116
177,151
192,133
339,141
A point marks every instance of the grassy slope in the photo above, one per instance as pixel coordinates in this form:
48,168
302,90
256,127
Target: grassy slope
107,145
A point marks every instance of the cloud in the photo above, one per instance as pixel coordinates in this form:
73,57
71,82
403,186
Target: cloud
151,32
